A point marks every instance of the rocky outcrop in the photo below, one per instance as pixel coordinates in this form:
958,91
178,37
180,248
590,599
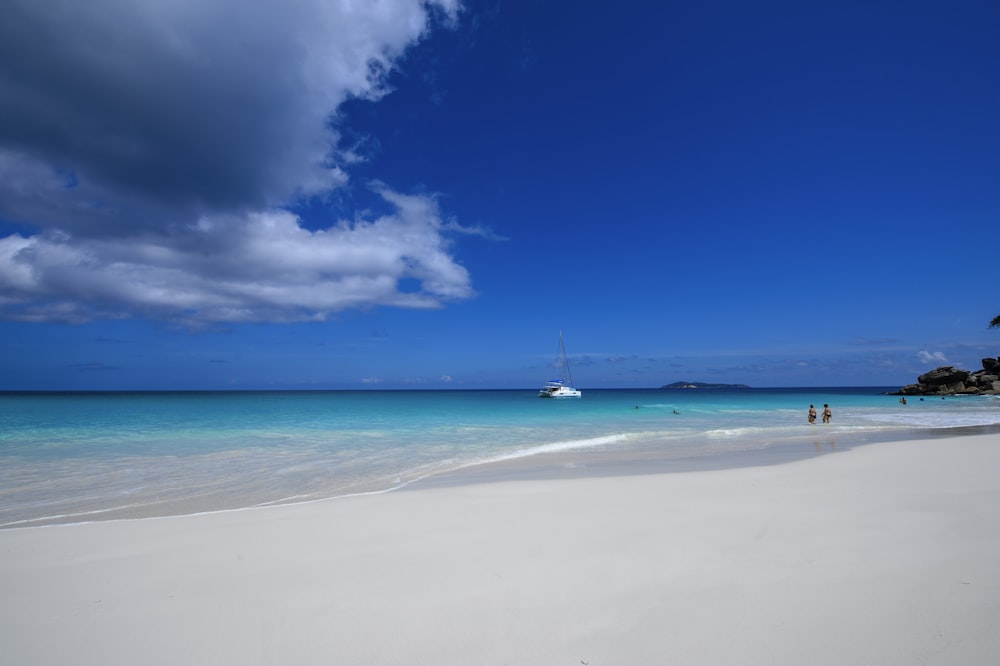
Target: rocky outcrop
945,375
948,380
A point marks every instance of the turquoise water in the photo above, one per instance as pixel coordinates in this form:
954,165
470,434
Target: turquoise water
71,457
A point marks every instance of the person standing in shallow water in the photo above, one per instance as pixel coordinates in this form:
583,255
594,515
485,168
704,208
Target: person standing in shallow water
827,414
812,414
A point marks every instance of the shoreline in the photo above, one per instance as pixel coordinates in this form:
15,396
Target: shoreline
560,465
883,554
597,463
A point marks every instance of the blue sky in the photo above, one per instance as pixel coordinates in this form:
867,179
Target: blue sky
214,195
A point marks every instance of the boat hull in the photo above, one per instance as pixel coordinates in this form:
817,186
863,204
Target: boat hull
559,392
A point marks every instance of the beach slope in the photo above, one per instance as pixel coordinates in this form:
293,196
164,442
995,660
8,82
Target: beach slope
885,554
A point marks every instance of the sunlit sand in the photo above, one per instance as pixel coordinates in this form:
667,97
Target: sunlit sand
885,554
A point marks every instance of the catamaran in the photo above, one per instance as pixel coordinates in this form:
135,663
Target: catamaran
559,388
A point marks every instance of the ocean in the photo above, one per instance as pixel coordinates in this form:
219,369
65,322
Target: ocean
78,457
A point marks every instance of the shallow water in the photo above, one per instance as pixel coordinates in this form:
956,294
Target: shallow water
70,457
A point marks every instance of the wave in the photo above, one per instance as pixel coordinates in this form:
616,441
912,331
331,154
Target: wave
916,419
552,447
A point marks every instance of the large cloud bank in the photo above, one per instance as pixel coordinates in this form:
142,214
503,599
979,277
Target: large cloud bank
154,148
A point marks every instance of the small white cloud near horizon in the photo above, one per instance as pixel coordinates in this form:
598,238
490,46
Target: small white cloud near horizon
931,357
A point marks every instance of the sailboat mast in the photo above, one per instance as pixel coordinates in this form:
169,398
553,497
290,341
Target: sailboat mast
567,373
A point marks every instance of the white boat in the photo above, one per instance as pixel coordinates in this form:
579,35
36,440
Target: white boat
562,387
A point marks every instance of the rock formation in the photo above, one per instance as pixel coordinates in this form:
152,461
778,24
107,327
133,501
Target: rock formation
948,380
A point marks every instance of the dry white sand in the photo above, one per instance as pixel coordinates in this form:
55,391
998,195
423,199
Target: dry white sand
887,554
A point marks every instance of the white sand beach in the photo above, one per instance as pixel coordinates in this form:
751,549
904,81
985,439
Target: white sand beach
885,554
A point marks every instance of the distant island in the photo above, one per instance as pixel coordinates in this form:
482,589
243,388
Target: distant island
703,385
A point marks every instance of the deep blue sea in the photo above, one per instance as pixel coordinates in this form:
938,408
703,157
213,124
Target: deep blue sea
74,457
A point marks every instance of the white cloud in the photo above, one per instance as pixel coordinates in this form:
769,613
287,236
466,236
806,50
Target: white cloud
271,268
931,357
156,146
